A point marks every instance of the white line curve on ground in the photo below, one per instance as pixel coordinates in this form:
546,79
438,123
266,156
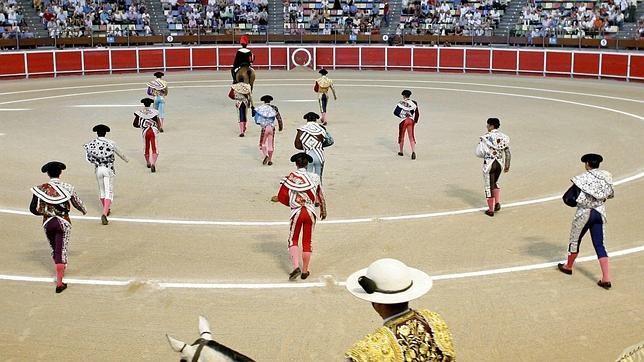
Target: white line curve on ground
340,221
340,85
328,222
290,285
338,79
104,105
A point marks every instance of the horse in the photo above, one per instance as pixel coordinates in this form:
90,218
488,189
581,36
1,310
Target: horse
245,74
197,352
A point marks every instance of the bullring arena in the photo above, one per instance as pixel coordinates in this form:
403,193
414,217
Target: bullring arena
201,237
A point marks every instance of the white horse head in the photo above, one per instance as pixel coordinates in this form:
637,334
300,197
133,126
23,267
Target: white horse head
205,349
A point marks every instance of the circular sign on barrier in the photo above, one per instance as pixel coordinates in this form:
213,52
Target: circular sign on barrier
603,42
170,39
294,58
385,38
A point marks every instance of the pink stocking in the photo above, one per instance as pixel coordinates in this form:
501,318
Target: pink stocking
306,259
106,206
571,260
295,255
603,263
241,127
60,272
496,193
490,203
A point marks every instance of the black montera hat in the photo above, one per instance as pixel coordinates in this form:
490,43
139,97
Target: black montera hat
300,155
592,158
53,166
159,74
311,116
147,101
494,122
266,99
406,93
323,71
101,128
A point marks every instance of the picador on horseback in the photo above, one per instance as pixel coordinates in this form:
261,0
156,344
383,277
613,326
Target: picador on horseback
244,58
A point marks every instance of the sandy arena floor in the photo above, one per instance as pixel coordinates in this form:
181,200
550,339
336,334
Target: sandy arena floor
207,173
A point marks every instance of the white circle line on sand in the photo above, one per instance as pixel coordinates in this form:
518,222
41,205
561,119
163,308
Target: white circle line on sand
340,221
14,109
104,105
351,85
290,285
338,79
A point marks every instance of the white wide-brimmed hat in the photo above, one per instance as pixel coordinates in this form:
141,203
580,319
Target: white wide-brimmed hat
389,281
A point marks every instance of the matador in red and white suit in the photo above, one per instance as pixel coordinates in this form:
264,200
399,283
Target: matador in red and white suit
302,192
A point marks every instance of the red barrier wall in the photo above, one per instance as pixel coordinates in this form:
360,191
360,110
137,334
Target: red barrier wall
625,66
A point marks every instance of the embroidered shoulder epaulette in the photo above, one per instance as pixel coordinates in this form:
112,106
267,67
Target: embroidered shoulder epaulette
380,346
442,335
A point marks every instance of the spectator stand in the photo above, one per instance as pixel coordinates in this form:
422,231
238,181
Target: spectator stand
331,17
206,17
451,17
115,18
12,22
572,19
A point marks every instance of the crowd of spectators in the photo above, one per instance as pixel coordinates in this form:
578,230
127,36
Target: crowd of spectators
78,18
352,17
12,24
574,19
451,18
216,16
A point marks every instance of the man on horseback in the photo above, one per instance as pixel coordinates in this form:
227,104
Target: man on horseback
243,57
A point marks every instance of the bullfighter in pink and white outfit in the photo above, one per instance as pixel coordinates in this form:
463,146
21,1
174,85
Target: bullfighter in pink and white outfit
265,116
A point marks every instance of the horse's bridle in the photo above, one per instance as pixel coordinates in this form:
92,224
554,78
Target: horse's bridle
202,343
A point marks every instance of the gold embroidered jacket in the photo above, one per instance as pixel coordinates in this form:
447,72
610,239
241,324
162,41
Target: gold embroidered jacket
415,336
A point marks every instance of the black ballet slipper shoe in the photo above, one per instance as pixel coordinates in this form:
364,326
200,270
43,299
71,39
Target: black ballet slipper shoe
605,285
413,155
400,154
270,163
153,168
104,220
563,269
241,135
265,160
295,273
489,213
149,165
61,288
305,275
497,207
